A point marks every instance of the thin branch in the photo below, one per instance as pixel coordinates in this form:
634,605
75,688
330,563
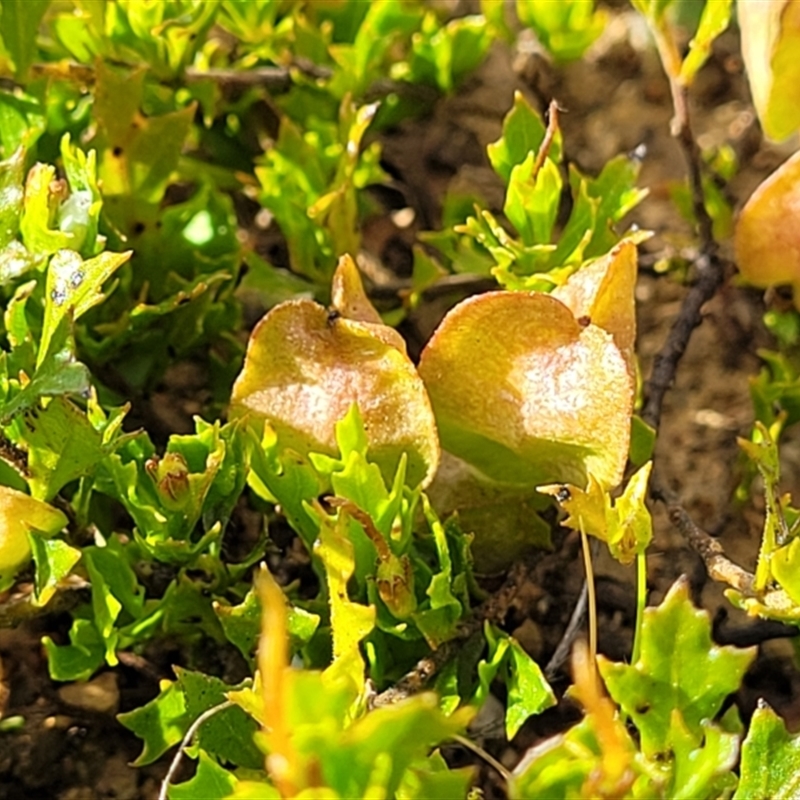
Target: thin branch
711,276
571,632
187,739
549,135
487,757
718,565
711,268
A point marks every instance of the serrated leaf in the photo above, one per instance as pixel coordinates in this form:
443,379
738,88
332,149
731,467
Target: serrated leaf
242,624
59,374
139,152
624,524
54,560
210,782
160,724
696,682
770,766
227,735
407,730
79,214
62,446
305,368
73,287
350,622
524,393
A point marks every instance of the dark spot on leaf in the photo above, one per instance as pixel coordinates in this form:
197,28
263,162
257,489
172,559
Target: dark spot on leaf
138,228
643,708
584,321
117,151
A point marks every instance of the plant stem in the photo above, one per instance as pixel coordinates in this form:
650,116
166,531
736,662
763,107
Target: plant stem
641,600
187,740
587,563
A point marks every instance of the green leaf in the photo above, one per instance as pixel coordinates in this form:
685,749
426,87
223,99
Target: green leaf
407,730
22,122
532,200
714,20
79,659
138,154
701,771
566,28
58,374
242,624
54,560
73,287
106,608
62,445
770,766
36,225
523,133
227,735
432,779
210,782
643,441
79,214
11,196
528,691
160,724
679,668
350,622
21,19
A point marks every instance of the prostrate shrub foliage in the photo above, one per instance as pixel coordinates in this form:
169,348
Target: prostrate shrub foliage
130,132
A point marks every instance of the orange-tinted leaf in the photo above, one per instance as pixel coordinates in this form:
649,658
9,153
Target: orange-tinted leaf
525,393
305,366
603,292
766,238
770,42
